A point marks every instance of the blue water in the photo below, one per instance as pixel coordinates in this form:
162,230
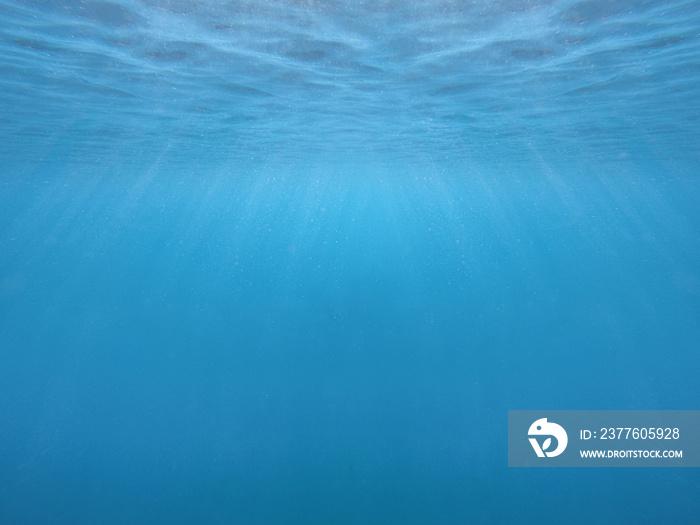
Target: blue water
293,262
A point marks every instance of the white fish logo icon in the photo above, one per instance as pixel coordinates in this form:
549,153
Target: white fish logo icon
542,428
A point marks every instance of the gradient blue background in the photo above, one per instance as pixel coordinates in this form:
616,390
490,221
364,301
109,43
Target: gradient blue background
293,262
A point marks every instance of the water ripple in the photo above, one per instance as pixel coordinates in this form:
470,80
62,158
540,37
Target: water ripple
350,77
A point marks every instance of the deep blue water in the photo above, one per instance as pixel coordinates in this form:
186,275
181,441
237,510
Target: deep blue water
293,261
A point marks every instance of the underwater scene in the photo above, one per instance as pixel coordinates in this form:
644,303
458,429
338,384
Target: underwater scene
293,261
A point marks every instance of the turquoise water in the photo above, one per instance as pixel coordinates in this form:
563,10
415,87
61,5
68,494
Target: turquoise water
293,262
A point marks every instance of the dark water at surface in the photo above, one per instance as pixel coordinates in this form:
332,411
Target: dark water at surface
293,262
